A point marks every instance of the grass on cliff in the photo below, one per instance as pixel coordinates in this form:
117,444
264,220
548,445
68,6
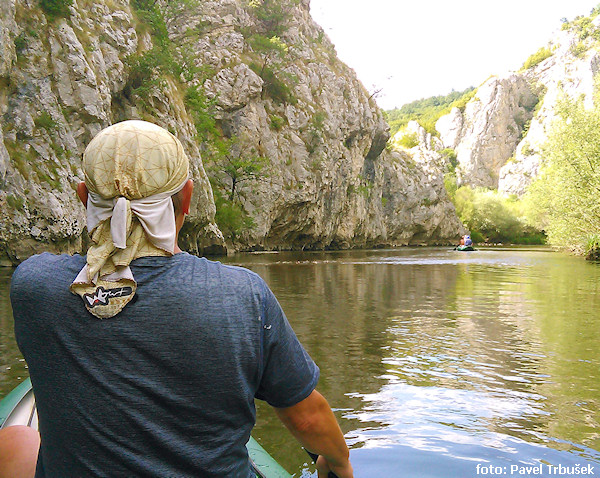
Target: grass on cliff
428,110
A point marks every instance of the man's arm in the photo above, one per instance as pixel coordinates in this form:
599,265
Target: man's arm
314,425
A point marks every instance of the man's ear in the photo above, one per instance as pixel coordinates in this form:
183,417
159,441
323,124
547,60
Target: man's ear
186,196
82,192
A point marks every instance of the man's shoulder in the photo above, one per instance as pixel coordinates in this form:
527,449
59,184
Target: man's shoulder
224,276
41,265
233,273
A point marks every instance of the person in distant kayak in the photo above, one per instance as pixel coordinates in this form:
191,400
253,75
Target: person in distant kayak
145,360
465,241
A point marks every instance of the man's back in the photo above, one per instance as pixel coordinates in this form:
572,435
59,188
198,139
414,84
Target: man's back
166,387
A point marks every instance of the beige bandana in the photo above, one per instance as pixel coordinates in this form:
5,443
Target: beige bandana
131,171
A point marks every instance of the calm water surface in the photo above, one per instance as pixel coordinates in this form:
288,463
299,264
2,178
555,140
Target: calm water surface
437,363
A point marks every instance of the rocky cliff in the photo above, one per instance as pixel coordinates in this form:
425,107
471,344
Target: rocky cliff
498,137
261,74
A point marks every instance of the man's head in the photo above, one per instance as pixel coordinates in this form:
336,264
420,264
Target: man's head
136,159
137,193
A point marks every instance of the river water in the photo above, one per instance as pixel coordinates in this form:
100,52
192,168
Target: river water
437,363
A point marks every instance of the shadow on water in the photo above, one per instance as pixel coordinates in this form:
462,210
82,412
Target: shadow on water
436,362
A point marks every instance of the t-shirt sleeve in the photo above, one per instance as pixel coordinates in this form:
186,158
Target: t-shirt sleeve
289,374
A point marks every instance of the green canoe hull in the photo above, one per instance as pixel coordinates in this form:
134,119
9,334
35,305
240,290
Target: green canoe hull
465,248
18,408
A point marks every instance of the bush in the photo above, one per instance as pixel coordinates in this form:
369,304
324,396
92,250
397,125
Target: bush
148,69
408,140
15,202
44,120
583,26
535,59
494,218
592,248
578,49
149,13
273,14
451,156
450,184
231,217
202,110
277,122
564,198
277,90
56,8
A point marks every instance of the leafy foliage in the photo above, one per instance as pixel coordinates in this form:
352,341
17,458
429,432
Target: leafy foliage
273,86
272,55
236,166
203,110
277,122
494,218
44,120
227,167
427,111
584,26
148,69
56,8
272,14
408,140
564,198
230,170
539,56
231,217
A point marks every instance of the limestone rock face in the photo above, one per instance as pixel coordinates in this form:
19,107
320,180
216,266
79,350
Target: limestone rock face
61,82
489,129
329,182
562,74
7,30
499,136
450,128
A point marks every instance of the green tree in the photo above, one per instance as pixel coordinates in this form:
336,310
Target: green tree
234,168
273,56
273,15
230,170
539,56
564,198
492,217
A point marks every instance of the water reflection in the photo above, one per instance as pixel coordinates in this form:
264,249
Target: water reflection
435,360
433,356
13,368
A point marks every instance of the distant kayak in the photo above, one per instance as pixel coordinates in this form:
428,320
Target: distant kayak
18,408
464,248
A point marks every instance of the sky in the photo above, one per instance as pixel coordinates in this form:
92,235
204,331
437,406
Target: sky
413,49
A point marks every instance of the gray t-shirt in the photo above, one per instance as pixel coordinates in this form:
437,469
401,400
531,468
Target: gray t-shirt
164,389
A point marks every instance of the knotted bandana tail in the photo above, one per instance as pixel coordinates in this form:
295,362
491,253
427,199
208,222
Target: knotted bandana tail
105,297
